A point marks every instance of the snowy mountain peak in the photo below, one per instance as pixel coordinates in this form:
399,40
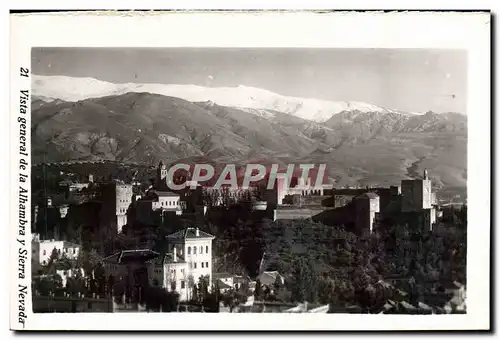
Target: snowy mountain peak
75,89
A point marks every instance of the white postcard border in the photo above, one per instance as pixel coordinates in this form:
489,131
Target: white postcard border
470,31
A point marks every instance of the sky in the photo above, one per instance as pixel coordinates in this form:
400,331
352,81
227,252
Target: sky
416,80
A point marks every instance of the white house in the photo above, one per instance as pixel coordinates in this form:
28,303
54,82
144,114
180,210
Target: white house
172,273
167,201
189,257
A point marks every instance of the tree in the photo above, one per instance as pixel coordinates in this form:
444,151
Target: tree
170,302
278,284
326,290
211,302
54,256
258,290
202,290
88,261
157,298
47,285
233,299
193,287
304,285
64,263
75,285
100,278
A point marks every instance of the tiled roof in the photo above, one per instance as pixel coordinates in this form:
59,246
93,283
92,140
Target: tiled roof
189,233
222,285
166,194
131,255
269,278
169,258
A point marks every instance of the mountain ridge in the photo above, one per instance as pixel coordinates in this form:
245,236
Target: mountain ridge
146,128
257,101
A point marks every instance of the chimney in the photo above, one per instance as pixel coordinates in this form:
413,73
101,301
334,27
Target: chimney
175,254
197,232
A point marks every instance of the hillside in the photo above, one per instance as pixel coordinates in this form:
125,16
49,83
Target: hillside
146,128
367,148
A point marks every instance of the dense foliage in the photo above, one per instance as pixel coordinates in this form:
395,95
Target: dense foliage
332,265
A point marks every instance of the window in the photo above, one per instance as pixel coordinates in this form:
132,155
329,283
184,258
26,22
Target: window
189,251
202,265
183,284
206,249
201,250
194,265
194,250
44,252
206,264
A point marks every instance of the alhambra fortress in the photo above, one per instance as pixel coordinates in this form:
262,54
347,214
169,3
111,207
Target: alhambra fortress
188,255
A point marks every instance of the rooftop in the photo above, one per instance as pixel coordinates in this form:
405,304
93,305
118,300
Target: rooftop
189,233
269,277
66,244
222,285
166,194
169,258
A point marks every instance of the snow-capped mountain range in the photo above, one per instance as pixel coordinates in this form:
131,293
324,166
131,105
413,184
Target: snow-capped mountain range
88,119
254,100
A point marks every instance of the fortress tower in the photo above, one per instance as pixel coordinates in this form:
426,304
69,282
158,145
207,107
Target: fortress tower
417,194
123,199
367,206
161,176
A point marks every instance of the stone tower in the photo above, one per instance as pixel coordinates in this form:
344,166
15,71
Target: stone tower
123,200
367,206
161,176
417,193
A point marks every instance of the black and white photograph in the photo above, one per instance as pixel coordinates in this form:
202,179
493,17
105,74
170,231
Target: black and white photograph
245,180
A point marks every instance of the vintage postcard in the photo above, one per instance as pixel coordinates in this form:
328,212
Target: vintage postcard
267,166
